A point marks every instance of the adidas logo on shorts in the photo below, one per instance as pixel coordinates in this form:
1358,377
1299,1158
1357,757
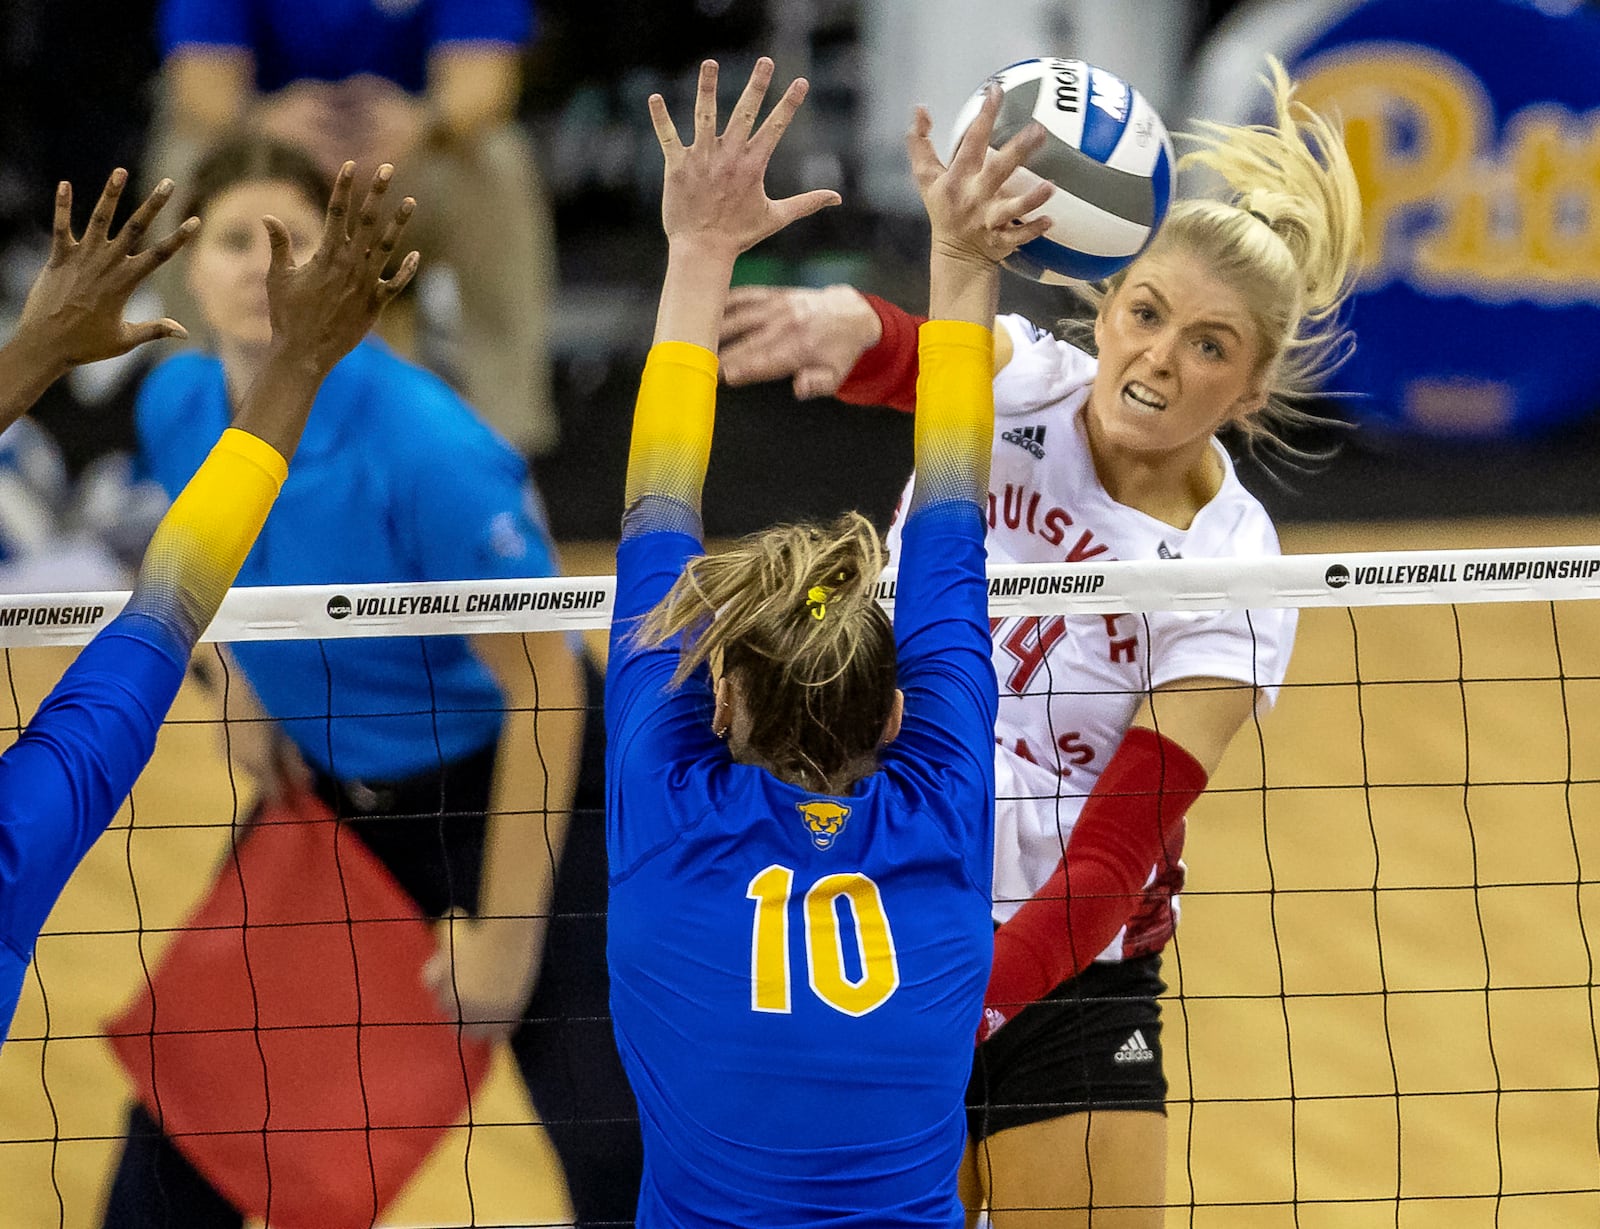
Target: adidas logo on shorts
1135,1050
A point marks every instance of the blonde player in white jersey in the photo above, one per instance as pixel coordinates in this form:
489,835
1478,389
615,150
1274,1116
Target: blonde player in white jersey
1109,727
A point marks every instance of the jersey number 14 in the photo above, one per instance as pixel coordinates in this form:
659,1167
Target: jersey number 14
879,967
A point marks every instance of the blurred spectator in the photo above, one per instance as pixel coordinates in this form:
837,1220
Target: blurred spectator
72,102
59,534
430,85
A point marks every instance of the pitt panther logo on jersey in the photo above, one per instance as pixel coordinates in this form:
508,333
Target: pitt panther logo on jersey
825,818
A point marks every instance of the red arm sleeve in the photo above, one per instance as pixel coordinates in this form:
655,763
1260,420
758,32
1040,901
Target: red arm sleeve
1131,821
887,373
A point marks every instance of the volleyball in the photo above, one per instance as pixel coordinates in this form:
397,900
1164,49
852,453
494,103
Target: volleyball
1107,153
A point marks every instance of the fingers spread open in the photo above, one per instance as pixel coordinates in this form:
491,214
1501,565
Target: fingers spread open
793,208
61,240
925,164
335,222
168,247
1024,203
777,123
666,131
390,239
138,226
705,103
371,211
971,150
281,249
100,220
1026,232
743,120
390,287
1013,154
152,330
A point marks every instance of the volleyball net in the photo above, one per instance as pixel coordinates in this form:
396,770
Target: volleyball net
1382,1004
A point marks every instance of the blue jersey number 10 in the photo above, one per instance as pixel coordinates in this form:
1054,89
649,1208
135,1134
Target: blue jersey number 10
773,891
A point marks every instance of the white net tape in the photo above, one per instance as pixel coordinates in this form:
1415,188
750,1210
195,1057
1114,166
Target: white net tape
1382,578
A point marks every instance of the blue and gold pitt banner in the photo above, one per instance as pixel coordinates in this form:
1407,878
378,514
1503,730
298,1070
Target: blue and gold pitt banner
1474,126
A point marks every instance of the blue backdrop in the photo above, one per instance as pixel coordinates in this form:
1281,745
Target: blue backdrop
1475,129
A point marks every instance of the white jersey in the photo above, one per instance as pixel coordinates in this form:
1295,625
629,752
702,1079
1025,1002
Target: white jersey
1070,685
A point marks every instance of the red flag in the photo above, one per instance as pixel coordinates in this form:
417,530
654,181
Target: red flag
287,1044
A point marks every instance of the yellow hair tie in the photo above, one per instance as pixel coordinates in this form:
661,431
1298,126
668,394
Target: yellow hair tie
817,601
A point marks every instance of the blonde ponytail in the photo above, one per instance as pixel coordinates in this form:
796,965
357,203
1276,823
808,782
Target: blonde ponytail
791,612
1286,232
1295,176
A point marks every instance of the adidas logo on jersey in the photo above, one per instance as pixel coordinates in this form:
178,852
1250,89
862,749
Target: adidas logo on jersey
1134,1050
1031,438
1166,552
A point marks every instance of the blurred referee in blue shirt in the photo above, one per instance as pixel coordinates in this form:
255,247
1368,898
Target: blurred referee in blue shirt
455,760
429,85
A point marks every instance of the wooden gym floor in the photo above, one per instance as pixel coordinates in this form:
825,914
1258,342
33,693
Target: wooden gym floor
1356,1037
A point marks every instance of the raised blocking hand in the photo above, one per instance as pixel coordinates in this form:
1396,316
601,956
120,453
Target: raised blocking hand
74,311
320,309
974,207
814,337
714,192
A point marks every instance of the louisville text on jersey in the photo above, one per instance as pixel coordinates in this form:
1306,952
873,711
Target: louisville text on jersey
1019,508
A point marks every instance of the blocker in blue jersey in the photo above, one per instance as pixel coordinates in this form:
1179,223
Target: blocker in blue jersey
799,944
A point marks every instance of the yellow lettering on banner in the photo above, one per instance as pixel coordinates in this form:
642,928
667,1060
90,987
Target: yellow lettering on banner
1515,219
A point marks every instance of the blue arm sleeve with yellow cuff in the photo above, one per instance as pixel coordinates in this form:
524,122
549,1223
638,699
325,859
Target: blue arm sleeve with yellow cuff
64,778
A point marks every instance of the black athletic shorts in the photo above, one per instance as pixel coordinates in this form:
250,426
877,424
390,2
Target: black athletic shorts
1093,1044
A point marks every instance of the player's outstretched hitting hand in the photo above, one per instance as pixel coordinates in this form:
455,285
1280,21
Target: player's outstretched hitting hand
976,214
813,337
714,195
74,311
322,308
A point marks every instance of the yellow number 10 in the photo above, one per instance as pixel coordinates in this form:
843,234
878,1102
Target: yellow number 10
830,980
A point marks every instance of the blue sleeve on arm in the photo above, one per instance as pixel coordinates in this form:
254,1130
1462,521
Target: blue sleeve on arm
483,21
945,664
218,23
63,780
647,567
651,728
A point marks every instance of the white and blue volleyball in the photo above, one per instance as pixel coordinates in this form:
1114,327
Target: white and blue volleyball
1107,153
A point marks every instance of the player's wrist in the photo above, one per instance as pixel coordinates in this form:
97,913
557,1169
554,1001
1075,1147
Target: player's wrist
297,363
712,247
962,287
37,353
